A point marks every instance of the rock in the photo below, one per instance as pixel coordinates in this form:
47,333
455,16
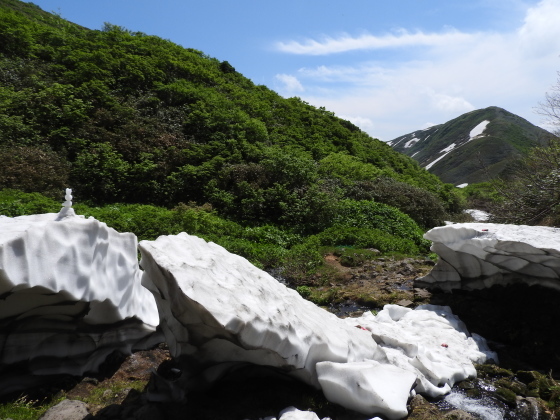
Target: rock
71,295
67,410
458,415
517,387
420,409
480,255
506,395
533,408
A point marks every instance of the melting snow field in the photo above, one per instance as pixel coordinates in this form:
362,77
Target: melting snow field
73,292
411,142
480,255
478,130
474,133
477,215
445,152
217,310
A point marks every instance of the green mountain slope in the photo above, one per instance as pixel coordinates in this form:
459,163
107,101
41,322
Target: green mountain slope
474,146
122,116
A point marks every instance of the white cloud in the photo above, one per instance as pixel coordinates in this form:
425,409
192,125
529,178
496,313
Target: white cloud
290,83
454,74
456,104
540,33
345,42
364,123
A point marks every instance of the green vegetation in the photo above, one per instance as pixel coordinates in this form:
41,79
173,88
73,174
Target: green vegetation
532,194
299,256
125,117
24,409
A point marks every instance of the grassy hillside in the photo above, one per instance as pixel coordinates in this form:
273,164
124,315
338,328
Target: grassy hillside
126,117
505,139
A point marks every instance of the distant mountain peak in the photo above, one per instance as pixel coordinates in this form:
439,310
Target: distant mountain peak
473,146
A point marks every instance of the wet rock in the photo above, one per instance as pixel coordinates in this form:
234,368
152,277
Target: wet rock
507,396
421,409
510,383
493,371
532,408
465,385
67,410
458,415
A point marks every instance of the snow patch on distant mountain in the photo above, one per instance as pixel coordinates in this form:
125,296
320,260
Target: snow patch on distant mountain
478,130
411,142
448,148
445,152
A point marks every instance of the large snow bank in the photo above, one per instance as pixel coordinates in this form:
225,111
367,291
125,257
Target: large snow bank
480,255
70,295
218,310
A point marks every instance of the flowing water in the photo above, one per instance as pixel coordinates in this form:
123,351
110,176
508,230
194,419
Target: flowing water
486,406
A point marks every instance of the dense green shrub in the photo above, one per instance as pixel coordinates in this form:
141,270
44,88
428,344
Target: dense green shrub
302,261
532,194
344,236
482,195
370,215
354,257
263,255
146,222
17,203
424,207
30,168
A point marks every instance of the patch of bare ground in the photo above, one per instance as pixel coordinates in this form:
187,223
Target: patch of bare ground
374,283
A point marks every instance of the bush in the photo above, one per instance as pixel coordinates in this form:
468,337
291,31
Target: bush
146,222
481,196
371,215
33,169
532,195
424,207
341,236
16,203
355,257
261,255
302,261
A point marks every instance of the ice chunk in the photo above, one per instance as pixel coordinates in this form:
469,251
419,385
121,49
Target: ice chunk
480,255
70,295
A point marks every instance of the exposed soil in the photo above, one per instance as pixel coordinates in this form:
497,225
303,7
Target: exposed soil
373,284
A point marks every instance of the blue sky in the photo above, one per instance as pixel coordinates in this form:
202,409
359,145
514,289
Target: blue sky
389,67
